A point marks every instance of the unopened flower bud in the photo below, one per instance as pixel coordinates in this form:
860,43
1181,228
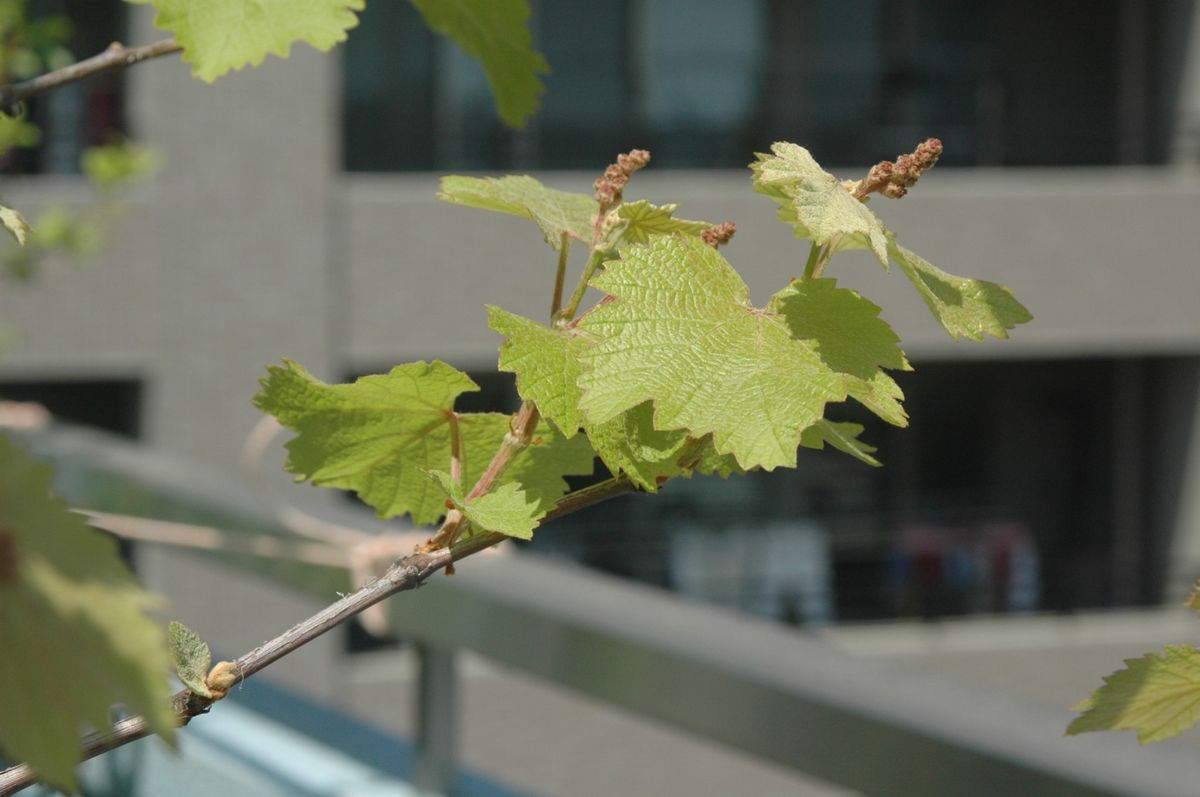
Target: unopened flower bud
719,234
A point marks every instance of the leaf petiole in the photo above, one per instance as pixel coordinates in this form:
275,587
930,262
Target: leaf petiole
810,265
560,276
568,312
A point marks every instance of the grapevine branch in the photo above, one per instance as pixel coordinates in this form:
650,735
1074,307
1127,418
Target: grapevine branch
403,575
117,56
439,553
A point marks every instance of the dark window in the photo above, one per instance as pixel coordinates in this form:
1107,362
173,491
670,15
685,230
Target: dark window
113,405
1021,485
78,115
703,83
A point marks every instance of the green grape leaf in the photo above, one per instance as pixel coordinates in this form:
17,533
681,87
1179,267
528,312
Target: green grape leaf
554,212
496,33
380,435
1157,696
628,443
506,509
678,329
643,220
964,307
15,223
815,203
851,338
546,362
842,436
881,395
77,636
540,467
223,35
191,657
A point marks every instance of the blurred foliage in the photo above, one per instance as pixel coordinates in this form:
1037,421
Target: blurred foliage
30,45
59,231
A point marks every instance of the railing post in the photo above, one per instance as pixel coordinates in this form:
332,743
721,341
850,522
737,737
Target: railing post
435,763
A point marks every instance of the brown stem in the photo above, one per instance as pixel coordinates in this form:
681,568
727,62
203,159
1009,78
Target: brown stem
515,441
518,437
404,574
117,56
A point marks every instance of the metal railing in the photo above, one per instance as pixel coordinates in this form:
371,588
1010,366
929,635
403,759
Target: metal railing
875,726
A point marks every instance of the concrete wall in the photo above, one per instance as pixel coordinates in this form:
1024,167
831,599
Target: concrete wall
252,245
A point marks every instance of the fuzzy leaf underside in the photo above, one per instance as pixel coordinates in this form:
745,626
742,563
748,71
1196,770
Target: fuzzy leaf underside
643,220
815,203
546,363
842,436
964,307
496,33
1157,695
382,434
15,223
678,329
507,509
191,656
223,35
77,636
554,212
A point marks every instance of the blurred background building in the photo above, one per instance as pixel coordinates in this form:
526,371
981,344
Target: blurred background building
295,216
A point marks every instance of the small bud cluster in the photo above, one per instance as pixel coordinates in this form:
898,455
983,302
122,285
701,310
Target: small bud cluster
610,186
718,235
894,179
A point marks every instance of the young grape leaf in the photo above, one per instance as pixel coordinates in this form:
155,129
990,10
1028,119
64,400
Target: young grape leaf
842,436
496,33
546,362
507,509
221,35
679,330
964,307
77,636
1157,696
815,203
15,223
191,657
380,436
554,212
851,338
643,220
628,443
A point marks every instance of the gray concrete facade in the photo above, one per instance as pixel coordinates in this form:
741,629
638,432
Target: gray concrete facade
252,245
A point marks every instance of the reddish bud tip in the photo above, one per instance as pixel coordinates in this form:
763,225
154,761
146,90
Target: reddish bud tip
719,234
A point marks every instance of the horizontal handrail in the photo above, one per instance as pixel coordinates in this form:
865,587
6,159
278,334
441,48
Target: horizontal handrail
876,726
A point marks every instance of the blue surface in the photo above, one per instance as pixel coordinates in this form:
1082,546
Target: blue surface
365,743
